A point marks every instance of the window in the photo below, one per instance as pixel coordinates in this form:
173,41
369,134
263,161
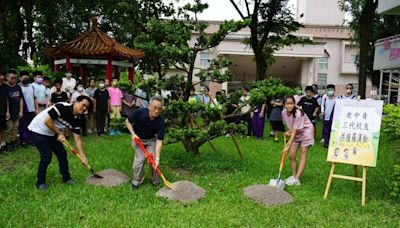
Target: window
354,58
205,59
323,63
322,81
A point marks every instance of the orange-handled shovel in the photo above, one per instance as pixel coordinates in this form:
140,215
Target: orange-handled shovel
66,144
151,162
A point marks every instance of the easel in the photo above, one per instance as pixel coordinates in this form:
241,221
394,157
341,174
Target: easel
354,178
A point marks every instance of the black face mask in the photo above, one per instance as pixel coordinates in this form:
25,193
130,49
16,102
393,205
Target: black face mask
25,81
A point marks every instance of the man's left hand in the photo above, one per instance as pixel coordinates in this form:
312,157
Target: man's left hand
157,161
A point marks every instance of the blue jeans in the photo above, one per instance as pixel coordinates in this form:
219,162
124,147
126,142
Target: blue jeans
45,145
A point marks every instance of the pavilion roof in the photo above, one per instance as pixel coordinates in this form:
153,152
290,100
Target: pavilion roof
93,43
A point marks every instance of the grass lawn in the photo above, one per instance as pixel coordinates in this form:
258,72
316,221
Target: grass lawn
222,174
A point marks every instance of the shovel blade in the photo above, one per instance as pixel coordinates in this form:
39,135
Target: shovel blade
167,183
277,183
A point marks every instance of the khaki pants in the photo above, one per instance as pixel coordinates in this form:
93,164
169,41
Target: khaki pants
91,122
115,112
11,134
140,159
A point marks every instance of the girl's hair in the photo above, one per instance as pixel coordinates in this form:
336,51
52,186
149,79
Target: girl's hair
294,108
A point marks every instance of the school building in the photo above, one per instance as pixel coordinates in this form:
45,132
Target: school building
330,60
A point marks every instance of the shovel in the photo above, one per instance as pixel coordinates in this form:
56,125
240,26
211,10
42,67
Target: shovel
151,162
66,144
278,182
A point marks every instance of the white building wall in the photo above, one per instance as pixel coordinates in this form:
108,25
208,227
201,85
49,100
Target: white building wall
319,12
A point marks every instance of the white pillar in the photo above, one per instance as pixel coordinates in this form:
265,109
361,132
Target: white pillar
310,71
380,84
390,86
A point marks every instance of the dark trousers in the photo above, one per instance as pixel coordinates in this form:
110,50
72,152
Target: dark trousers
100,121
24,134
83,127
258,125
249,122
45,145
326,131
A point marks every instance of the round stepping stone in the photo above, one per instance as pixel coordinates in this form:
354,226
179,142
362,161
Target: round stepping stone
184,192
268,195
111,178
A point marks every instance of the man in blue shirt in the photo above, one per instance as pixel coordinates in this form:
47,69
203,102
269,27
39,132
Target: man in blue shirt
147,125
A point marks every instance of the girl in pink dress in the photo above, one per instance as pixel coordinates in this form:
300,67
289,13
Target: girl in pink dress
301,133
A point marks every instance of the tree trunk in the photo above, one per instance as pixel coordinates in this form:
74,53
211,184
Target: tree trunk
191,147
366,21
261,65
189,82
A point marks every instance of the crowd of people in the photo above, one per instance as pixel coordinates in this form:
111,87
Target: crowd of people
294,116
40,113
24,96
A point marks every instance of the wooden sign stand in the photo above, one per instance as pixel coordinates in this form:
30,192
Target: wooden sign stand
354,178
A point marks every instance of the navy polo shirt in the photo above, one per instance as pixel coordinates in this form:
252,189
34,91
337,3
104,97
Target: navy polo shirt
146,128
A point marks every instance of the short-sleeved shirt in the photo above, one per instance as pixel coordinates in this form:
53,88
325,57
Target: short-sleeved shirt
102,98
76,94
300,122
115,96
14,95
3,102
244,104
276,112
29,98
59,97
146,128
309,106
90,91
351,97
127,111
329,105
61,114
40,93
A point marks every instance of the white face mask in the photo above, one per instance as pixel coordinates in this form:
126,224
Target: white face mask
80,89
348,91
102,85
330,93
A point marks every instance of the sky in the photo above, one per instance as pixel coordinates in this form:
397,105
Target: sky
220,10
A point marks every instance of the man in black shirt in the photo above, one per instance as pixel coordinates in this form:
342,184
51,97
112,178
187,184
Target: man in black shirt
147,125
15,107
309,104
46,131
101,106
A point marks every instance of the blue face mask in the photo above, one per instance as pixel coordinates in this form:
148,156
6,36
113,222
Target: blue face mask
39,80
330,93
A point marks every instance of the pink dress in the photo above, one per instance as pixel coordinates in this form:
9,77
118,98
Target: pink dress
115,96
303,125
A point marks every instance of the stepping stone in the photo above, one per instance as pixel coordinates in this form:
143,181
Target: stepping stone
268,195
184,192
111,178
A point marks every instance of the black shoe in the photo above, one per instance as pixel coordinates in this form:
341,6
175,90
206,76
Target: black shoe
42,187
135,187
326,146
70,182
156,185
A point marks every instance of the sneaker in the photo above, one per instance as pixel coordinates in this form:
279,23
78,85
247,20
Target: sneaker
322,141
118,132
135,187
276,140
70,182
293,182
111,133
89,131
289,178
156,184
42,187
326,146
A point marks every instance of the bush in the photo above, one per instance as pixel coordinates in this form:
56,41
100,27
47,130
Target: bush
391,122
395,183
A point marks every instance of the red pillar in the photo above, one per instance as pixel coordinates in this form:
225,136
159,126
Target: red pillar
109,69
131,74
116,72
68,64
56,68
83,73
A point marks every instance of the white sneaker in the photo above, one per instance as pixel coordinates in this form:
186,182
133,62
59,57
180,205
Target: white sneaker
289,179
322,141
293,182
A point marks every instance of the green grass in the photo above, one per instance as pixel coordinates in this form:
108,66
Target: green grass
222,174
